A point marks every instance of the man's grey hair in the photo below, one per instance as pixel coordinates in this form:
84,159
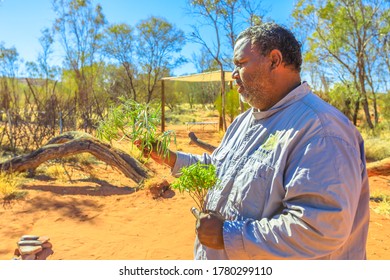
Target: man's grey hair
269,36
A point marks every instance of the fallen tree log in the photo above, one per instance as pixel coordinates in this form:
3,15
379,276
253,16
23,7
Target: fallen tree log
76,142
208,147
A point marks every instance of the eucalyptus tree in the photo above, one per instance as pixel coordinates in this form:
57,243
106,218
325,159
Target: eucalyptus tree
9,67
206,92
79,25
41,100
42,68
158,51
119,44
9,99
224,18
344,34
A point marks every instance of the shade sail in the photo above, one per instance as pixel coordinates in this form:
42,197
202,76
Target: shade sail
213,76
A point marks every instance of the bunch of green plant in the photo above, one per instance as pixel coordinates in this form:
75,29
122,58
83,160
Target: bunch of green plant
136,122
196,179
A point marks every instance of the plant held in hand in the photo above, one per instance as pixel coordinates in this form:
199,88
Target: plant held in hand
137,122
196,179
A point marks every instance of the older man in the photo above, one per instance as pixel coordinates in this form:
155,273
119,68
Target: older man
292,170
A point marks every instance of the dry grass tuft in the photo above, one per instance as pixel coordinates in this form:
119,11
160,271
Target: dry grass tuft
382,203
9,188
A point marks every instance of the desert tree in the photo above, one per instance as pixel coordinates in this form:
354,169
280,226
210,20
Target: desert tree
10,103
42,104
204,62
158,52
344,34
119,45
9,67
79,26
224,18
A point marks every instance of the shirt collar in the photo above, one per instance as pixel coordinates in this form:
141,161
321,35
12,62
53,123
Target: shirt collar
290,98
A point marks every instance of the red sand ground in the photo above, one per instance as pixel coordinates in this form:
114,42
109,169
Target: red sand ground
105,219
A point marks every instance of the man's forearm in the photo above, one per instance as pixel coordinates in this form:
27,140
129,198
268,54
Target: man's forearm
170,159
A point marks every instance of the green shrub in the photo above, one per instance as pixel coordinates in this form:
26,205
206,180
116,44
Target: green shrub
196,179
137,122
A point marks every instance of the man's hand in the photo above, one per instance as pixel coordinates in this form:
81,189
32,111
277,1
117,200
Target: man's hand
209,228
146,152
155,155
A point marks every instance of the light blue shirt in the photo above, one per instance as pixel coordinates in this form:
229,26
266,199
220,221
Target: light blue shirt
293,183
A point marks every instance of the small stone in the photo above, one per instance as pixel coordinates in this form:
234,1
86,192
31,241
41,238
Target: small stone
44,254
29,243
47,245
29,237
28,257
27,250
44,239
168,194
17,253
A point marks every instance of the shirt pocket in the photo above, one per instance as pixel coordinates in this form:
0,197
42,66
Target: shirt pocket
219,157
251,188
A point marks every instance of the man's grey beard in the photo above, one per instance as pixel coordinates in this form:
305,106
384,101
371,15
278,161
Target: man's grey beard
243,99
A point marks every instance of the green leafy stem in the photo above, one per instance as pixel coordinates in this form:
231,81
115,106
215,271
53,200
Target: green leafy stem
196,179
136,122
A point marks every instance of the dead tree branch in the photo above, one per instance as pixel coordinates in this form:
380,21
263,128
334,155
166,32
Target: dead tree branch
75,142
208,147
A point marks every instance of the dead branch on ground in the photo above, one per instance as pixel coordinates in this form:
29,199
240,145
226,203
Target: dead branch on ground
76,142
194,139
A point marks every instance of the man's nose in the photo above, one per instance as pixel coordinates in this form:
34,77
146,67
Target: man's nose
235,74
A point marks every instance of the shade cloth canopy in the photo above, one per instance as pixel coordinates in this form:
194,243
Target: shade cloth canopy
213,76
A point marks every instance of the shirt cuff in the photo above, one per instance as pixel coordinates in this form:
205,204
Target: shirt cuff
182,159
233,239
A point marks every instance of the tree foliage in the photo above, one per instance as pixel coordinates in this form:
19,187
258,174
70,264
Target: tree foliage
196,179
159,42
224,18
79,25
119,45
343,39
136,122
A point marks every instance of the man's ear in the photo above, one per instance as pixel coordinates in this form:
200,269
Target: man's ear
276,58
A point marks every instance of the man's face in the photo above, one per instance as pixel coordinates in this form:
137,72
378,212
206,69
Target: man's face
252,75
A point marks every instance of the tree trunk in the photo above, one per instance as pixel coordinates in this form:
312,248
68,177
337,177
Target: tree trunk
363,93
223,101
355,113
75,142
367,112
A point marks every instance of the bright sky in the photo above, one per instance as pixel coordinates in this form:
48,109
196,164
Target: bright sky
21,21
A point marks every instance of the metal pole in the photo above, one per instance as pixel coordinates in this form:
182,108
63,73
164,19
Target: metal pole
162,106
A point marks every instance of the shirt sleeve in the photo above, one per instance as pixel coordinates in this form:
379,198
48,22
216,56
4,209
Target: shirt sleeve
185,159
322,185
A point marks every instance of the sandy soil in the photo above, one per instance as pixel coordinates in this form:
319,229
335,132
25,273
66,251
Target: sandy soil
103,217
